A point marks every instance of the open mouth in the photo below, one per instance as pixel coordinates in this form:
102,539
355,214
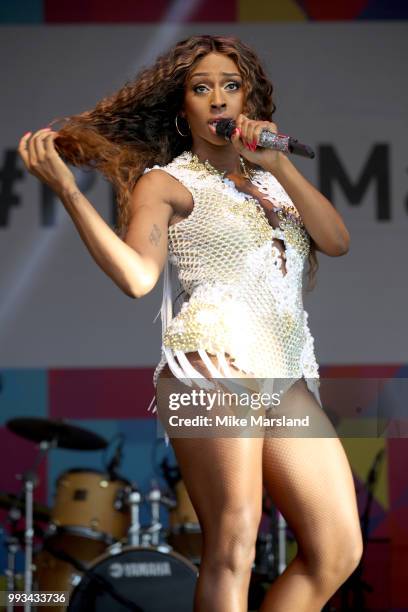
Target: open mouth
217,119
213,124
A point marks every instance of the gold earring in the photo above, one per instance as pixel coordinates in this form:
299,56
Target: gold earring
178,129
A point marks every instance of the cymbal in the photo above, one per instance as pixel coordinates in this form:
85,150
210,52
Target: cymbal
10,500
63,434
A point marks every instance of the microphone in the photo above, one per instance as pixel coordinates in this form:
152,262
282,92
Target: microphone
268,139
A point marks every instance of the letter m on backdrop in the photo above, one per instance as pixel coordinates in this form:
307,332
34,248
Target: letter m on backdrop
375,170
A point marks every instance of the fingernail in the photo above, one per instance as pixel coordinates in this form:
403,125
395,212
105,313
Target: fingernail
27,133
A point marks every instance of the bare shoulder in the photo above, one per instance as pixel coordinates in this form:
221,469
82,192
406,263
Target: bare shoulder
163,189
155,184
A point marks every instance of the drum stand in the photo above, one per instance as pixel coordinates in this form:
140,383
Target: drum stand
151,534
30,481
281,528
12,545
276,561
134,501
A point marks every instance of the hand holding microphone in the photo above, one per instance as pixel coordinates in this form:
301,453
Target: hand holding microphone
262,134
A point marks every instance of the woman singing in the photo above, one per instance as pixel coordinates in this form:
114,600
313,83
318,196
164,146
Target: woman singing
237,221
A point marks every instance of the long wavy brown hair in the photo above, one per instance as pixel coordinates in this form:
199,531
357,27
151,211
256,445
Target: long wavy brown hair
134,128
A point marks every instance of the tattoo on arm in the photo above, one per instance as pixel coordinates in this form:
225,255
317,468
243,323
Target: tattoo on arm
75,195
70,196
155,235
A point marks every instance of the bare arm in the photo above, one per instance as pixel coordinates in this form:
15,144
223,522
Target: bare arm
321,219
123,264
134,263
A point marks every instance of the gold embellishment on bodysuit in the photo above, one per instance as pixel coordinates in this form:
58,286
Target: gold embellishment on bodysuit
290,220
248,208
253,213
290,210
198,325
295,233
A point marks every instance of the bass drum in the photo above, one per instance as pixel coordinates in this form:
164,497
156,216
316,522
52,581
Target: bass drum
141,579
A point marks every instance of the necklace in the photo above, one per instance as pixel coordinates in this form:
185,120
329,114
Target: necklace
247,173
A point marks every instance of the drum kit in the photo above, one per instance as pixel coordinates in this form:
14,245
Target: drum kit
91,543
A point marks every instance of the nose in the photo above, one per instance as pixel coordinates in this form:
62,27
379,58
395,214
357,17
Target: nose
217,99
218,105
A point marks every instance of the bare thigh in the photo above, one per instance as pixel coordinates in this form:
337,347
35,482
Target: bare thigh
223,476
310,481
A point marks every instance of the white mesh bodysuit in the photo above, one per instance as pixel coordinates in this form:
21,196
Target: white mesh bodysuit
244,300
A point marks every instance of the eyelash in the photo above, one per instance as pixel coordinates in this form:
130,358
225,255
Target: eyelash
229,83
